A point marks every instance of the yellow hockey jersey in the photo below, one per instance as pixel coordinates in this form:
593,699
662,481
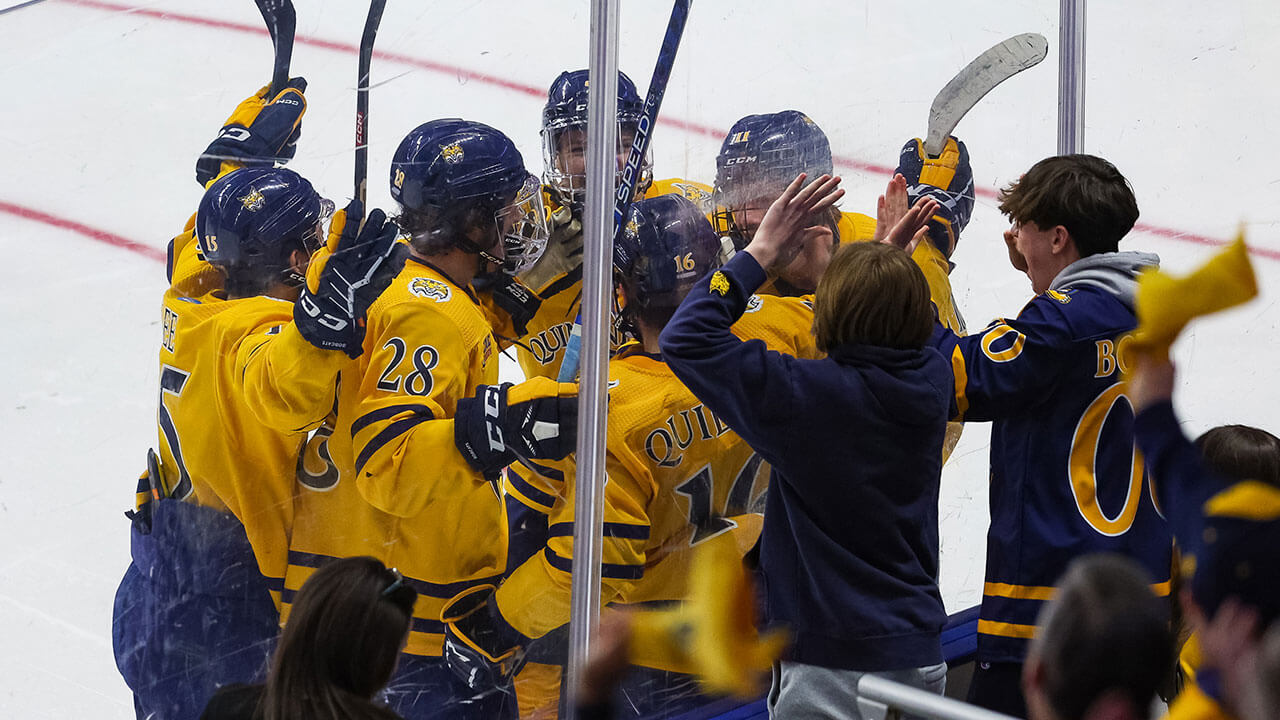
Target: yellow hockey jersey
402,492
676,476
557,279
230,432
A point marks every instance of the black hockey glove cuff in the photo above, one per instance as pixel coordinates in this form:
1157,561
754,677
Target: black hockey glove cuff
344,279
479,645
947,179
512,297
259,133
537,419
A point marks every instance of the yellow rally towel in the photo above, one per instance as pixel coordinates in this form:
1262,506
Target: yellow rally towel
1166,304
711,635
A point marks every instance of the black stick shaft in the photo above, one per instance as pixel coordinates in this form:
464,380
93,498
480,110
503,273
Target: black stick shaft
362,97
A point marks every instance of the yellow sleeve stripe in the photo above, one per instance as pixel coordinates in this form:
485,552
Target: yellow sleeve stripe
1042,592
1013,630
1019,592
962,383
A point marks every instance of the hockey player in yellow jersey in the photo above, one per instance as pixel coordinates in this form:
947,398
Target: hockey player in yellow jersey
676,474
198,606
762,153
423,428
557,276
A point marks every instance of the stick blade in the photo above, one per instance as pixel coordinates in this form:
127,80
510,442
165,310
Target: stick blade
997,64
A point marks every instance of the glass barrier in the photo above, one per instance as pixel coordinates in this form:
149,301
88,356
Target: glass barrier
277,454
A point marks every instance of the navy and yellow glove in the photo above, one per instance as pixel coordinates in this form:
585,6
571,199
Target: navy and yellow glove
260,133
947,179
345,276
479,645
535,420
511,296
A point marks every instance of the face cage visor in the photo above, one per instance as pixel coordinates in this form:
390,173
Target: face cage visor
524,243
312,239
572,187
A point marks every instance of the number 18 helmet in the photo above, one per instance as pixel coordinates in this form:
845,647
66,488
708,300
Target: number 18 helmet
251,220
566,109
666,245
454,175
760,156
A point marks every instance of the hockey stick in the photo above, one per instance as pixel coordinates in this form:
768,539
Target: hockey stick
631,171
978,78
362,96
281,23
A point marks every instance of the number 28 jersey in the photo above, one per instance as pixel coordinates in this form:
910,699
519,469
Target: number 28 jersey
402,492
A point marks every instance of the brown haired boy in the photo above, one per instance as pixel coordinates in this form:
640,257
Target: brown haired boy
1065,480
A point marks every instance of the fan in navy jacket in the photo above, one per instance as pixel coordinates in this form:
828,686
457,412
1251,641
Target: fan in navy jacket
849,551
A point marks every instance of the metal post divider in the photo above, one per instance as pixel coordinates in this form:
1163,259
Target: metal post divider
1071,57
597,276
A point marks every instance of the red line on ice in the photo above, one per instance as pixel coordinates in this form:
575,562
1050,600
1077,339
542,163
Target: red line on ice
81,229
462,73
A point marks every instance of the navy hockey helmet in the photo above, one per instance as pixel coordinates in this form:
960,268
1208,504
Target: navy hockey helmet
566,108
460,171
761,155
252,219
666,245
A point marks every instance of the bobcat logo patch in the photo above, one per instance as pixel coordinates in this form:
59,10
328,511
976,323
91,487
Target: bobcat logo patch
452,153
254,201
1060,297
430,288
719,284
754,303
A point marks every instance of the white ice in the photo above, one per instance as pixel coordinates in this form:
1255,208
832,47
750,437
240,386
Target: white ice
105,109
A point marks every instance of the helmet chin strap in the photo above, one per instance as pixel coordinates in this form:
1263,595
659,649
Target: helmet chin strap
483,257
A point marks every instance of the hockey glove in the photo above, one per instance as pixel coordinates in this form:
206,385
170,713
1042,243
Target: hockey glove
513,297
479,646
260,133
535,420
345,276
947,179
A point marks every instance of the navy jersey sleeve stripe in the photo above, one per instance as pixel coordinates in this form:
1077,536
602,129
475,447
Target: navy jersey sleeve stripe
612,571
388,412
389,433
625,531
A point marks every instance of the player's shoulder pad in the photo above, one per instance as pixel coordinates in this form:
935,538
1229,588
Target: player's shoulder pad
698,193
856,227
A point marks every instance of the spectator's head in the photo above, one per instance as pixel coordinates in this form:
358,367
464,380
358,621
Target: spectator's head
1240,452
872,294
339,647
1102,646
1238,552
1066,208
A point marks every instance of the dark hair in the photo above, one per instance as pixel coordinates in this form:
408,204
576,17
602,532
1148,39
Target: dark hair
340,645
1083,193
1105,631
872,294
1240,452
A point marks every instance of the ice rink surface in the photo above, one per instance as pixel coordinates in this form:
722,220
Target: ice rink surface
106,106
